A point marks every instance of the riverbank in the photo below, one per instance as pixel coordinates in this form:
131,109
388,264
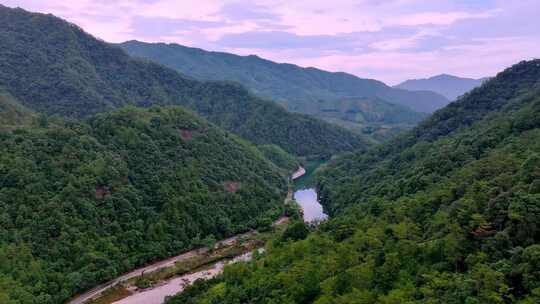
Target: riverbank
164,264
131,283
161,282
298,173
168,282
307,179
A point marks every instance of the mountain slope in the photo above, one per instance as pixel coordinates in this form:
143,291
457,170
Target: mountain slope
81,203
295,87
511,91
12,113
449,86
52,66
371,116
448,213
280,158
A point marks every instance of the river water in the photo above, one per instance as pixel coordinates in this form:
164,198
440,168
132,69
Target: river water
157,294
308,200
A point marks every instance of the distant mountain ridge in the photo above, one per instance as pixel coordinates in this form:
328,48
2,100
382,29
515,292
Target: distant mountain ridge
447,85
52,66
298,89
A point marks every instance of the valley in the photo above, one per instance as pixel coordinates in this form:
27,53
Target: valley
159,173
171,276
432,216
365,106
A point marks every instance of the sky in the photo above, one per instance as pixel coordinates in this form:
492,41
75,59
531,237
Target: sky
388,40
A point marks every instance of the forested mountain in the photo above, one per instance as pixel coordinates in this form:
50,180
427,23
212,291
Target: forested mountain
53,66
448,213
370,116
82,202
280,158
298,89
449,86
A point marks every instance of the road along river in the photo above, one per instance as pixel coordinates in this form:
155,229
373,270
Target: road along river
307,199
157,294
95,292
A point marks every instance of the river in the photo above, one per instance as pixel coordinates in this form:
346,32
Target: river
306,198
313,211
308,201
157,294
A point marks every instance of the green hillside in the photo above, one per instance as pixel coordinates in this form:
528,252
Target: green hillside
449,213
12,113
304,90
285,83
406,156
373,117
53,66
81,203
280,158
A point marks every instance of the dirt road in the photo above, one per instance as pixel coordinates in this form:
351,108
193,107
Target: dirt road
93,293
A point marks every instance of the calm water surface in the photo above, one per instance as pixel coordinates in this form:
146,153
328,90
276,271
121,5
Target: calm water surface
307,199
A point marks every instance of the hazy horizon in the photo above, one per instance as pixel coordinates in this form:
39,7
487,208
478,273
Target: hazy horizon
391,41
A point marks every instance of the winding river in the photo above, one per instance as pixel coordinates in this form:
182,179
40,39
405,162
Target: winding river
306,198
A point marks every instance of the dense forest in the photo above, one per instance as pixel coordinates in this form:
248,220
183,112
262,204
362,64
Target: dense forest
448,213
439,145
292,85
280,158
52,66
106,165
372,117
365,106
82,202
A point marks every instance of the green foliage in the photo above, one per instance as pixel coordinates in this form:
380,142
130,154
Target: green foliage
445,214
464,131
296,231
12,113
280,158
375,109
308,179
75,75
370,116
81,203
293,211
298,88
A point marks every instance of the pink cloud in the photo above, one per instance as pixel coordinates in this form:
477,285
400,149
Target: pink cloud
388,40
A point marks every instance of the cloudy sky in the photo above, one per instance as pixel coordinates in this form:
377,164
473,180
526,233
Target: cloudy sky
389,40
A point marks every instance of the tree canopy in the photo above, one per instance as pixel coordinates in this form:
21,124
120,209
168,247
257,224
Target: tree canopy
54,67
82,202
448,213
